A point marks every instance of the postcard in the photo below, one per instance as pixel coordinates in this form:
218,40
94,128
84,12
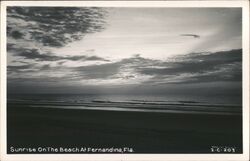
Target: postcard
124,80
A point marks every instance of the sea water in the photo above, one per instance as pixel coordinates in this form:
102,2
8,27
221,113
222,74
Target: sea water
140,103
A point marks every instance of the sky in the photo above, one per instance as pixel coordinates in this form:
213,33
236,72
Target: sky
112,50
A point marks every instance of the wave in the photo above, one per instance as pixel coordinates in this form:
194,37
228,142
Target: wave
141,110
182,103
136,105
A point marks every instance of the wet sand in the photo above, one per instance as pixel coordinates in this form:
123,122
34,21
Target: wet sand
145,132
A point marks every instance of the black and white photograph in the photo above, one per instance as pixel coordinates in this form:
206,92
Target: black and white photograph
124,80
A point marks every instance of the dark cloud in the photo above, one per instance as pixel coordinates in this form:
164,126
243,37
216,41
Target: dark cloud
18,68
16,34
45,67
191,35
215,77
35,54
98,71
95,58
34,81
139,61
19,72
87,58
19,61
53,26
107,70
218,66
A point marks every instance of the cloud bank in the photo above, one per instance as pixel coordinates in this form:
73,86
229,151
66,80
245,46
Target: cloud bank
190,68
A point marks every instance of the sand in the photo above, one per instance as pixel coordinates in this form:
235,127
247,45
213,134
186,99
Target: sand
144,132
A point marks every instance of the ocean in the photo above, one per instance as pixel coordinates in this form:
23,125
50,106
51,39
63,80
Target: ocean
224,105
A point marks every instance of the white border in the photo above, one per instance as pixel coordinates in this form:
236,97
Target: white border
142,157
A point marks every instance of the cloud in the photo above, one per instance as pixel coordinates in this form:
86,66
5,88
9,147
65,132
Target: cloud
108,70
224,66
34,33
19,68
191,35
53,26
35,54
86,58
98,71
16,34
199,67
190,68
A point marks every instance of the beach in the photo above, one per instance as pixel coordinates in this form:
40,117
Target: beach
144,132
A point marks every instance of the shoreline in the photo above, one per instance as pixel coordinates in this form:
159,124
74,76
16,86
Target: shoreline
171,108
